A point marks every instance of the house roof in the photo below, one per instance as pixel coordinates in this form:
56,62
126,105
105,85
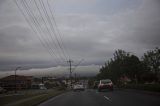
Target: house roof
18,77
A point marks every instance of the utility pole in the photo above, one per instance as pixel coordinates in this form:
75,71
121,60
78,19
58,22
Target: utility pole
70,68
75,77
15,90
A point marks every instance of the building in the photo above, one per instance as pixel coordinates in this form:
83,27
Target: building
124,80
16,82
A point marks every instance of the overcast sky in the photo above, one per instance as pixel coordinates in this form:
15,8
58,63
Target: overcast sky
90,29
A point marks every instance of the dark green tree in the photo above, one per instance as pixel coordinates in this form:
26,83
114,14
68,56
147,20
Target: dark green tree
123,64
152,61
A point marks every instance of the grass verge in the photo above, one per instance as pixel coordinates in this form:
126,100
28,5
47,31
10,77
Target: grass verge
39,99
146,87
29,99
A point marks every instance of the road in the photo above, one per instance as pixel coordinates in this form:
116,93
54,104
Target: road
94,98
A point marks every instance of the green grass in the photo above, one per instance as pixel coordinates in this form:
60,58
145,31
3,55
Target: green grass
39,99
23,99
13,98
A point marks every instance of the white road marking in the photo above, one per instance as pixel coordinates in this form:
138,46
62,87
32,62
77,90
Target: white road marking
107,98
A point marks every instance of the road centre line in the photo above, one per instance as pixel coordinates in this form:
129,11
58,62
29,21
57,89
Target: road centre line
107,98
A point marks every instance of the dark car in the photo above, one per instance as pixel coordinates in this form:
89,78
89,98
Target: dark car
105,84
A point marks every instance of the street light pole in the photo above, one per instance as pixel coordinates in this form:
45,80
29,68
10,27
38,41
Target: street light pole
15,90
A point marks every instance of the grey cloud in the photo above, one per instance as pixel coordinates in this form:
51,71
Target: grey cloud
93,37
95,6
142,27
89,70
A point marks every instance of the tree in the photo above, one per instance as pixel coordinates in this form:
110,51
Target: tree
152,60
132,67
123,64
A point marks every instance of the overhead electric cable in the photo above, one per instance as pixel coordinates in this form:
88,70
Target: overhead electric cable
52,26
36,23
45,23
51,11
34,30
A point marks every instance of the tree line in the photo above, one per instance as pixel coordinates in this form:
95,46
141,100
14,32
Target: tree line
127,65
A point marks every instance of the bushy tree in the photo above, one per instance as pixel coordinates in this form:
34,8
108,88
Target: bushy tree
127,64
123,64
152,61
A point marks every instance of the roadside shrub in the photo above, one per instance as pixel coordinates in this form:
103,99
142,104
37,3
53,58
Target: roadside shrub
148,87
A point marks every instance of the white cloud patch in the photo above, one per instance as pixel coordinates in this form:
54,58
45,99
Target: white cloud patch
58,71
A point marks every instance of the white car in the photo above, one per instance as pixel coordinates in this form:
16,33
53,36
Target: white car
78,87
105,84
42,87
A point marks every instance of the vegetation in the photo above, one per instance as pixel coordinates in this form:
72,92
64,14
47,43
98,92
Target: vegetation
147,87
30,98
125,67
39,99
152,61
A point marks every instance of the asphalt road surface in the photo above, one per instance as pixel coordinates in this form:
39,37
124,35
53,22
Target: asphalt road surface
94,98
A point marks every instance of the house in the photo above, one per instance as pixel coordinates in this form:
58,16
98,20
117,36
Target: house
124,79
16,82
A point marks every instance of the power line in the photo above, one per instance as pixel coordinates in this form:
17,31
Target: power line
50,35
77,65
57,27
32,27
36,24
43,30
38,28
52,27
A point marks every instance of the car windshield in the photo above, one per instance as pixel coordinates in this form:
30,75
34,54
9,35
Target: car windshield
105,81
97,47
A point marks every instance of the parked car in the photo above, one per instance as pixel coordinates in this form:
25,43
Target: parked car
105,84
2,90
42,87
39,86
78,87
96,83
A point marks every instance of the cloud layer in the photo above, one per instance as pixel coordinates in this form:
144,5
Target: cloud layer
91,30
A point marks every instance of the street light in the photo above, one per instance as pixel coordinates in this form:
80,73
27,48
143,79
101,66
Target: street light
15,90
